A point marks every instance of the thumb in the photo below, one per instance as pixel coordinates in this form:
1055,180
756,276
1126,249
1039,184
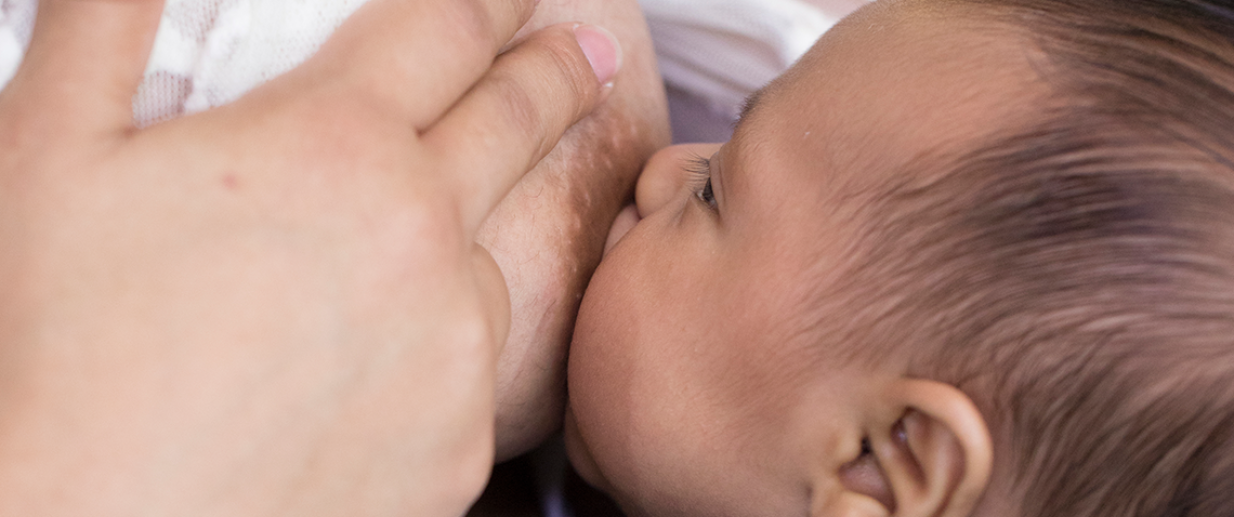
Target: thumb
85,61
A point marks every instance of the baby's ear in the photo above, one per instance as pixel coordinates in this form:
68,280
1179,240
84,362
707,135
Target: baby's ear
926,452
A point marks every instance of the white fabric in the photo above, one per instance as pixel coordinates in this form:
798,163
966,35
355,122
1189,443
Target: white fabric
723,50
16,22
209,52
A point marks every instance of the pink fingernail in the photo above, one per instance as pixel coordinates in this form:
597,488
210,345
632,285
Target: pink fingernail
601,49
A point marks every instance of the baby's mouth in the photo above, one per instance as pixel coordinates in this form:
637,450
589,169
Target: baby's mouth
626,219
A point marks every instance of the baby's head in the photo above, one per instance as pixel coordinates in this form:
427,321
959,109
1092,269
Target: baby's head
968,257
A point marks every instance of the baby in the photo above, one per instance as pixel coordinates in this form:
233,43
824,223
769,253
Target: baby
967,257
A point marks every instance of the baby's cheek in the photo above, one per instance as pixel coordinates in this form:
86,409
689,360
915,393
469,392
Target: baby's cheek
580,456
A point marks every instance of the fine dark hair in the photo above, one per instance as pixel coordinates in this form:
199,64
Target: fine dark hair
1076,275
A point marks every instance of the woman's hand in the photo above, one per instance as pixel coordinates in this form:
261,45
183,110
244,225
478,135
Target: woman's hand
276,306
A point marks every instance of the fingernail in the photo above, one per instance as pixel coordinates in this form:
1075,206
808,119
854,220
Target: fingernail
601,49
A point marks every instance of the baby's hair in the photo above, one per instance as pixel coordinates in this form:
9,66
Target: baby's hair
1076,274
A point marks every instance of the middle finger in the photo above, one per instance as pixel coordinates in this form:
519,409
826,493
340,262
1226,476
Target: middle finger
415,58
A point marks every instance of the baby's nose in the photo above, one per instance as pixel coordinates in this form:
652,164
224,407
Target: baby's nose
666,175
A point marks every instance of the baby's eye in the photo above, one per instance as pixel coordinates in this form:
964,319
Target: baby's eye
707,195
701,168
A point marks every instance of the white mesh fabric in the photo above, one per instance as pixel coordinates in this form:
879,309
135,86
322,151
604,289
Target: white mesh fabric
16,21
209,52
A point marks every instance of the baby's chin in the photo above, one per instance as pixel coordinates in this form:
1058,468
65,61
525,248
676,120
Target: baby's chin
576,447
580,456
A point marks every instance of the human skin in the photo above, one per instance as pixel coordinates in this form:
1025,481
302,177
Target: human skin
707,376
837,8
547,235
276,306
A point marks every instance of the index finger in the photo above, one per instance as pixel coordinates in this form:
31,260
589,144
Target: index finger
417,57
513,117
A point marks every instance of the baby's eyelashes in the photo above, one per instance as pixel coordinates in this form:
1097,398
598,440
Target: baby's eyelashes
707,195
700,169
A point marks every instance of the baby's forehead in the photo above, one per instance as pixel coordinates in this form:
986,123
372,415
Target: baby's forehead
883,91
851,123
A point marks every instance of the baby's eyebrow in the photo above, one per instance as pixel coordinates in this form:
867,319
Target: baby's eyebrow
750,104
